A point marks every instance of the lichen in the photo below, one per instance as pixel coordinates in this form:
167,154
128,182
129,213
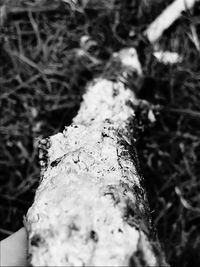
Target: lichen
97,213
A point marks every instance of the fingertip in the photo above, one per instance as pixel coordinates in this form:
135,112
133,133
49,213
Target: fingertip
14,249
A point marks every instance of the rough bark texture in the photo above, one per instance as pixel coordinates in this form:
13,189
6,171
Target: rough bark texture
91,208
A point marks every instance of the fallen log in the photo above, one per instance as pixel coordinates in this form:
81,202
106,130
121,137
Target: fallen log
91,207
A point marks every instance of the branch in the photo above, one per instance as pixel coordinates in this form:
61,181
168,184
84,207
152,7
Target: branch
167,18
91,208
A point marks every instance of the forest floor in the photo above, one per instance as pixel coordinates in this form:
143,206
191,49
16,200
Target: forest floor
43,73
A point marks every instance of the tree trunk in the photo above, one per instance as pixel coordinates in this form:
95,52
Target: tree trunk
91,207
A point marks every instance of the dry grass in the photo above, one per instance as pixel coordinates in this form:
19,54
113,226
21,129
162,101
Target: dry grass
43,75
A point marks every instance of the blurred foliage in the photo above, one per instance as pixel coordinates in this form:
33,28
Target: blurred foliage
45,66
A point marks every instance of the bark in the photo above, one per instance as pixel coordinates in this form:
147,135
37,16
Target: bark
91,207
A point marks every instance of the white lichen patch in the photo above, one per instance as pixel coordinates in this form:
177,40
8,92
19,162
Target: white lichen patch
129,59
168,57
90,208
103,96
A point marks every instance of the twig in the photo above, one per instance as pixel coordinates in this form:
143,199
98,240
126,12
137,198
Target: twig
2,15
188,112
38,9
20,86
32,64
10,198
167,18
36,30
4,231
26,60
194,37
